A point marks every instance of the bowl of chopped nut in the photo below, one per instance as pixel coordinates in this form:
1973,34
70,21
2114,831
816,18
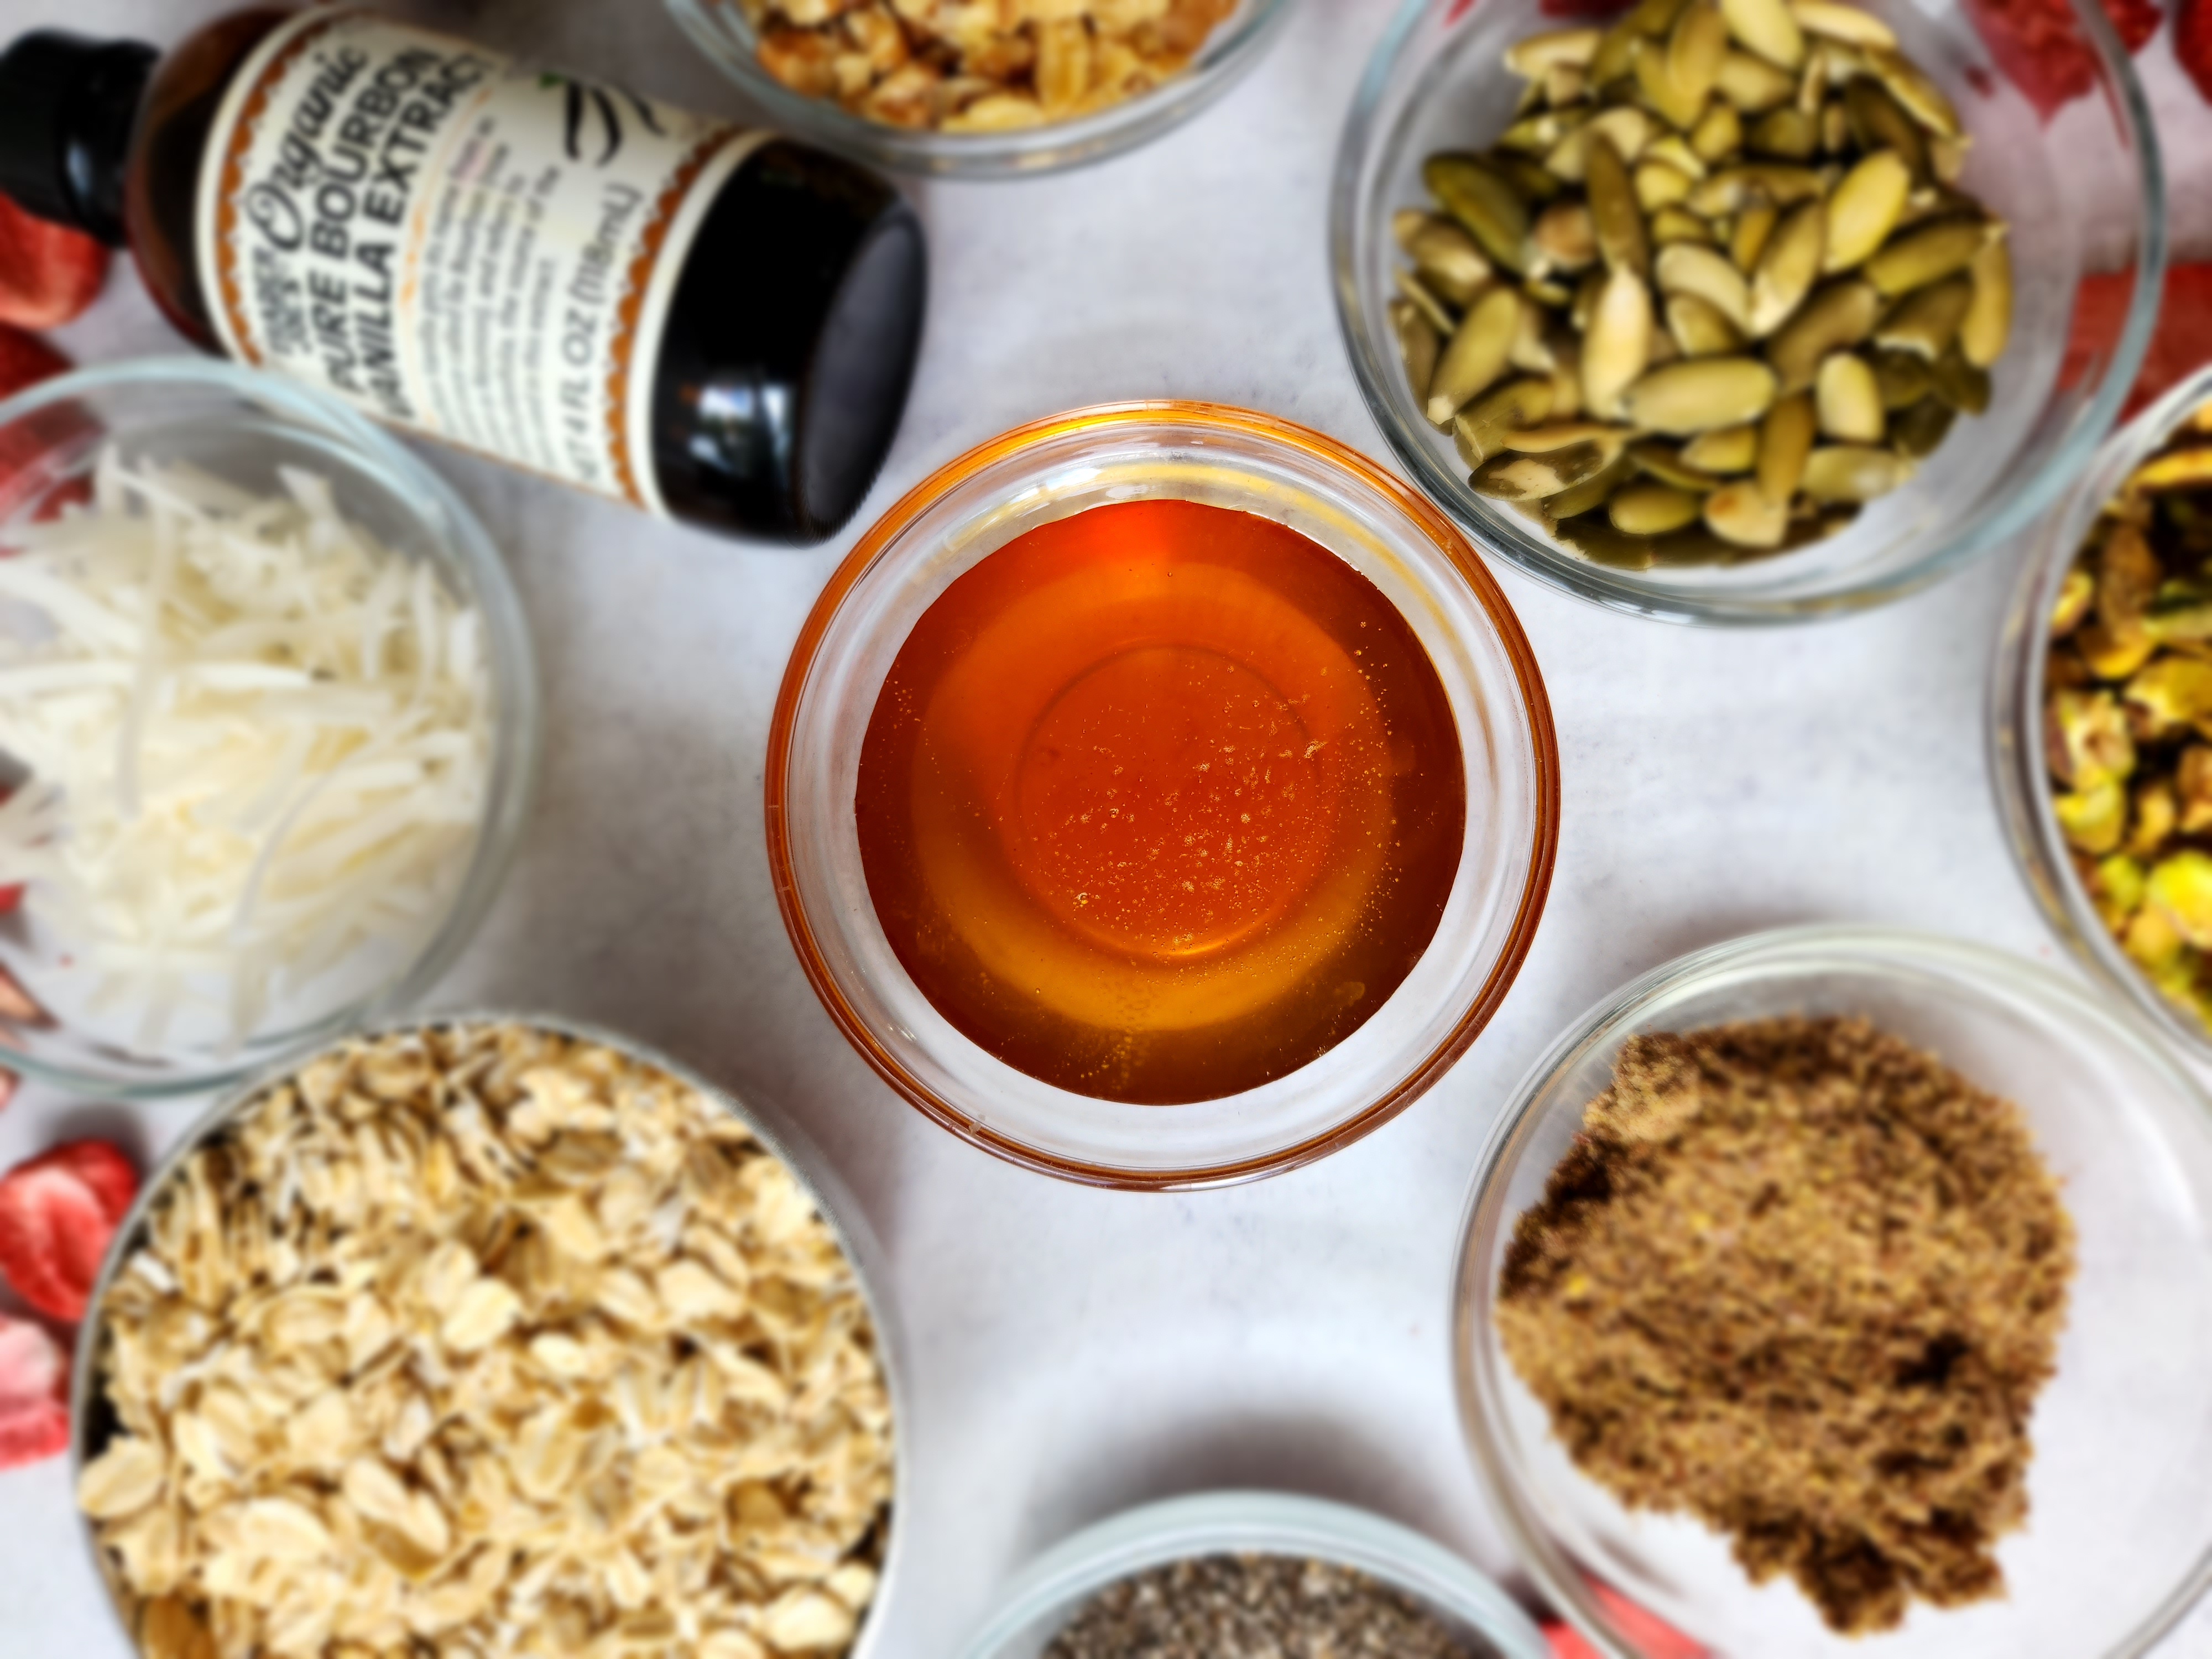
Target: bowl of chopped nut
981,91
1236,1573
1746,312
499,1333
1846,1290
2099,708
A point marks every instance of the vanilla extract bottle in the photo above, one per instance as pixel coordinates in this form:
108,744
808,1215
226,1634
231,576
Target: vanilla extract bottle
711,324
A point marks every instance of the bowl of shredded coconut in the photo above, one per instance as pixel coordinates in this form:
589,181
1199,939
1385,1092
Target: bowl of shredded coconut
267,725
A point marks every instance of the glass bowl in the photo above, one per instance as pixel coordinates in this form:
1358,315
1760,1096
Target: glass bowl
2118,1541
242,427
2020,762
1053,1587
2083,194
94,1422
1052,470
720,29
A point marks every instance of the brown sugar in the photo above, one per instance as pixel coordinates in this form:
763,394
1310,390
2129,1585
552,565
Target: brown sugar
1802,1281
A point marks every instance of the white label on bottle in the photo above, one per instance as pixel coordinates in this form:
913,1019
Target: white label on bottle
455,243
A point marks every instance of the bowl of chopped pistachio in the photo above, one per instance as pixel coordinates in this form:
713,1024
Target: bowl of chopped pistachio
2099,708
969,90
1848,1291
1738,311
497,1334
1252,1575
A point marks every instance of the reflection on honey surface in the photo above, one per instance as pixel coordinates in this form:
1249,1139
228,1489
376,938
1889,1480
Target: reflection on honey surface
1160,801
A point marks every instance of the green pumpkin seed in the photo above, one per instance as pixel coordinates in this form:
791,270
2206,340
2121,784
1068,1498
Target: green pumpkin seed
1849,24
1854,473
1566,435
1628,128
1926,322
1565,83
1656,81
1674,150
1960,384
1616,52
1664,462
1787,132
1480,430
1902,376
1539,135
1439,315
1835,128
1719,131
1927,254
1651,509
1477,354
1514,477
1613,212
1733,189
1785,439
1418,345
1693,268
1787,267
1987,326
1700,328
1864,208
1699,395
1655,18
1675,224
1742,513
1535,183
1879,122
1565,236
1916,432
1601,544
1766,28
1482,199
1920,97
1752,85
1695,51
1592,492
1617,344
1848,400
1837,316
1731,449
1532,54
1747,240
1448,263
1659,186
1545,292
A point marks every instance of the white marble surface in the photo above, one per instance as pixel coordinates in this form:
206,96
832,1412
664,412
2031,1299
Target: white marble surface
1074,1352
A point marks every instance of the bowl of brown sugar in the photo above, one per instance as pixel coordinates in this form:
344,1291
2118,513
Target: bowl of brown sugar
1847,1290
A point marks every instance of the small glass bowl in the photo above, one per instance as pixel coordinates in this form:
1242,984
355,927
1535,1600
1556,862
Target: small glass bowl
94,1422
720,29
2018,761
242,426
1049,1592
1054,469
2118,1539
2084,194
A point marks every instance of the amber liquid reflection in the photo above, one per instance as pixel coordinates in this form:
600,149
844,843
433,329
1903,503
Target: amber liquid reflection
1160,802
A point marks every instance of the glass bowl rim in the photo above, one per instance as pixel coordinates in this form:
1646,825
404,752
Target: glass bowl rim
2020,771
1622,590
517,722
1024,153
1861,946
877,544
1238,1520
779,1132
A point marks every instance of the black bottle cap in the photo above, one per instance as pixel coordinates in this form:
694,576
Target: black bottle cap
67,106
790,347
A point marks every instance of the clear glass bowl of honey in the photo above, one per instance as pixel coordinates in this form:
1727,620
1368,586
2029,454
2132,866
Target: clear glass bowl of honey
1162,795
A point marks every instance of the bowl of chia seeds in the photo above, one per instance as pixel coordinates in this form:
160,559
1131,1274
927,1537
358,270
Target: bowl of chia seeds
1239,1574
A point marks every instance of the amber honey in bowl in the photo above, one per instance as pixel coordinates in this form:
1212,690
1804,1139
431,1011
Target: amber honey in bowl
1160,801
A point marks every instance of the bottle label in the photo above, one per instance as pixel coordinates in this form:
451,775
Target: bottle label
455,243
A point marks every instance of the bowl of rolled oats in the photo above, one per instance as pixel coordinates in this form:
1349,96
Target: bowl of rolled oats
499,1336
981,88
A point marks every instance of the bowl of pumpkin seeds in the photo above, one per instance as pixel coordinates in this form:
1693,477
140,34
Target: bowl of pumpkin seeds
1738,311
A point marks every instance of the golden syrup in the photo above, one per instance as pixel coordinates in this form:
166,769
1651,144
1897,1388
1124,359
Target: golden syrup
1160,801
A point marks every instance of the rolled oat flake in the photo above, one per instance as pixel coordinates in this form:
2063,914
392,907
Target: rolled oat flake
1258,1606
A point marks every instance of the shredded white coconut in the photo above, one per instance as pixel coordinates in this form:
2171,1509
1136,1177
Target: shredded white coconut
256,741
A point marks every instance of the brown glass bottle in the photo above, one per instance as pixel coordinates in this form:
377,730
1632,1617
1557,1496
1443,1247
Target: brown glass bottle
717,325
